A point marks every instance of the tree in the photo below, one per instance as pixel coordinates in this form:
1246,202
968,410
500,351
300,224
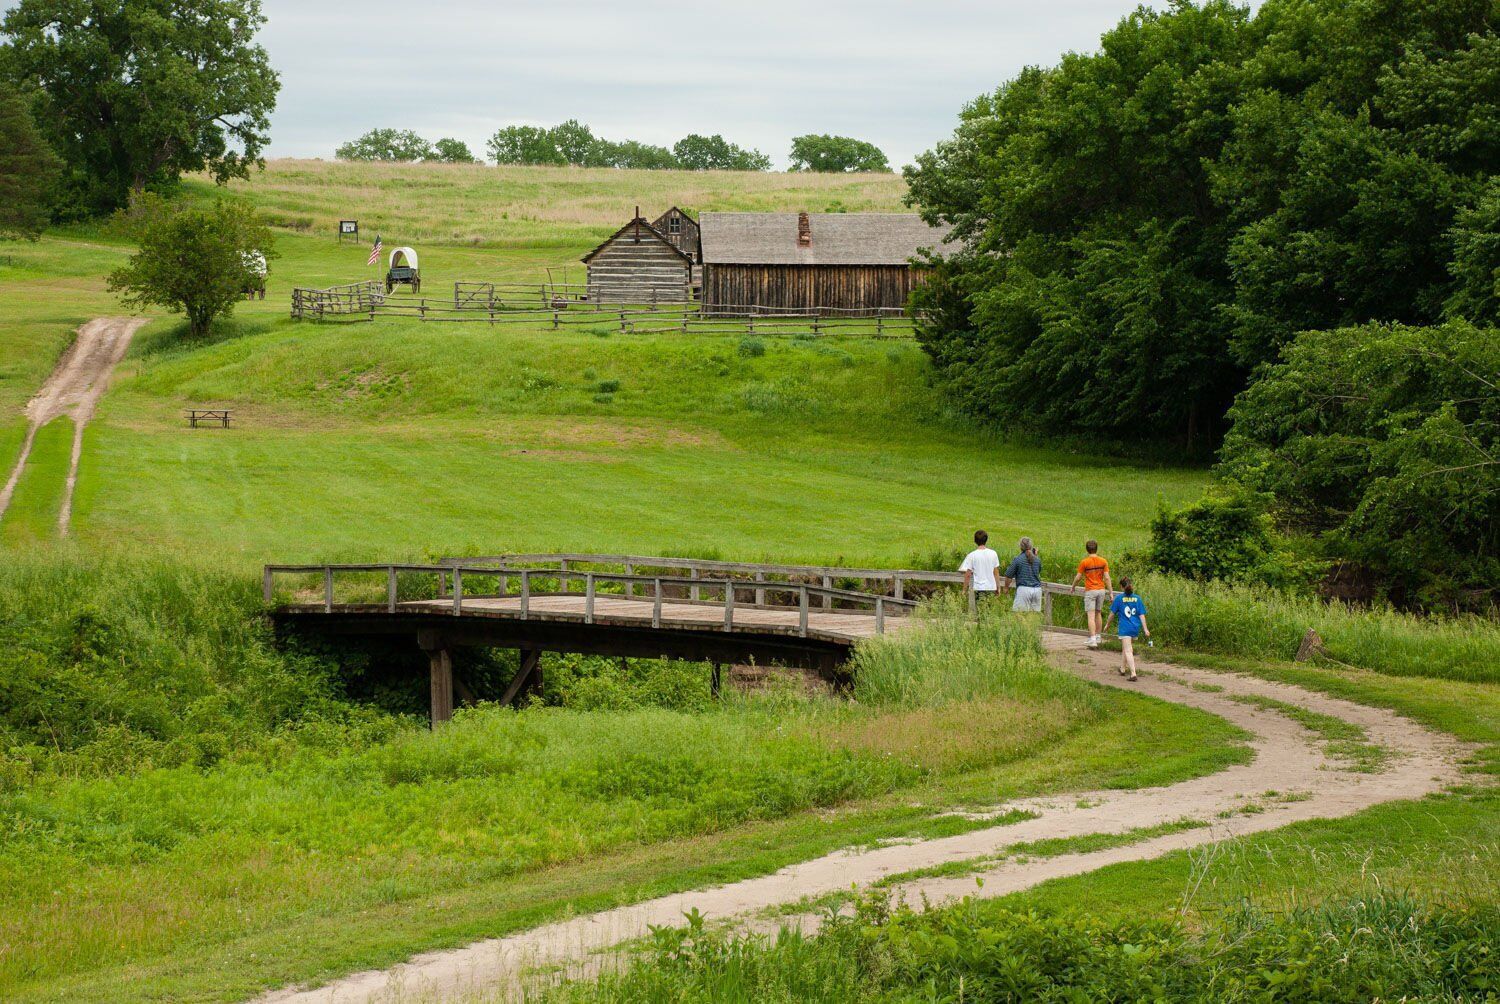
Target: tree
452,151
631,154
133,93
715,153
1383,441
575,144
401,145
1142,227
524,145
836,154
28,172
195,262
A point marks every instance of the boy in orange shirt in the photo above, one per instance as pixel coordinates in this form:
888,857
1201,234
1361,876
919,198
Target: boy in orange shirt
1098,590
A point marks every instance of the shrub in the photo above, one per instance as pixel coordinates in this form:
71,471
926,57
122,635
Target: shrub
1227,535
752,347
608,386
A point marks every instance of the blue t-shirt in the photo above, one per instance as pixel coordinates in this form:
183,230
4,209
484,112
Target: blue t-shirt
1128,610
1026,570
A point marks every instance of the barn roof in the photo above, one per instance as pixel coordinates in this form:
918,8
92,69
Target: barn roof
647,230
837,238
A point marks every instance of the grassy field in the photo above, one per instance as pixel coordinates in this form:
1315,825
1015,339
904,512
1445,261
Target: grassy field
398,438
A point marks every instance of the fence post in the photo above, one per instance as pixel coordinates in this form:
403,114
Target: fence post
562,579
693,593
588,598
760,593
458,590
629,586
900,589
802,609
728,604
827,600
267,583
525,592
328,589
1046,607
879,325
656,606
973,602
390,589
880,615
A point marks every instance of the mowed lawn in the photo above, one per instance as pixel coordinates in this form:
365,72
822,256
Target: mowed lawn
400,438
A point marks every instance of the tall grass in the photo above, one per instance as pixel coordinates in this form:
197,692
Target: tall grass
949,658
1376,948
1265,624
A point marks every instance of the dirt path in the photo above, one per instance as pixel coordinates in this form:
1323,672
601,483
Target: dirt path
74,389
1290,779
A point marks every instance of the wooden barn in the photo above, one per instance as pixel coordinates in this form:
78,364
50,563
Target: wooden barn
857,261
639,264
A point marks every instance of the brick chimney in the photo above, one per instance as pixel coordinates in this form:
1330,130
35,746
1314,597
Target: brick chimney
804,231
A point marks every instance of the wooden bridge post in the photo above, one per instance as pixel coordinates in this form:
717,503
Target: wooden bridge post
588,598
328,589
458,591
562,579
390,589
439,677
268,583
973,602
827,600
1046,607
880,615
656,606
728,604
693,593
760,593
629,586
802,610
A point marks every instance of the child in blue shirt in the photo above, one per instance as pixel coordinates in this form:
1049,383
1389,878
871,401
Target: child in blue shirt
1131,611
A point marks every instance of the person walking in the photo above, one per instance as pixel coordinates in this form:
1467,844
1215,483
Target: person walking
1131,610
1025,573
1098,590
979,568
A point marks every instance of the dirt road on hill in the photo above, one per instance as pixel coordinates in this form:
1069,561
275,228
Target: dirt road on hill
74,389
1291,778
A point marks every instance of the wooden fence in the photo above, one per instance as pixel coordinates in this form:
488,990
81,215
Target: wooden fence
354,298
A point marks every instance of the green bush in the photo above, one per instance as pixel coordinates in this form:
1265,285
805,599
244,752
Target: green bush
1228,535
752,347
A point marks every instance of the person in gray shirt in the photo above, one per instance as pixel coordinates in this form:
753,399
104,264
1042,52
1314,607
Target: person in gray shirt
1025,573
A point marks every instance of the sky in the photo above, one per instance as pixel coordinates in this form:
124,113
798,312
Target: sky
756,71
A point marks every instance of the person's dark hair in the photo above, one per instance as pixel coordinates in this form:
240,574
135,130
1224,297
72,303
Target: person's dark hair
981,538
1127,586
1092,547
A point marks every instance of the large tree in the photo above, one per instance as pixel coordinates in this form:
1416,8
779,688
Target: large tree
193,261
1146,224
28,172
132,93
836,154
714,153
396,145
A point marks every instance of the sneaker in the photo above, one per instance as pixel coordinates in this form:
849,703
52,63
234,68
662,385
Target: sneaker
1093,641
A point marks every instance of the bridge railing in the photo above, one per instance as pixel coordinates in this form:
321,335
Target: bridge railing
753,585
532,583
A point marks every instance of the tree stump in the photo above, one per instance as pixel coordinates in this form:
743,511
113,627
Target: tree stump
1312,646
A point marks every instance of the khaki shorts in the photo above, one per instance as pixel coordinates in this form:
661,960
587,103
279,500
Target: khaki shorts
1095,599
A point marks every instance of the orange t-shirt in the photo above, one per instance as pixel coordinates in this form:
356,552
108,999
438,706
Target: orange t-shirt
1093,569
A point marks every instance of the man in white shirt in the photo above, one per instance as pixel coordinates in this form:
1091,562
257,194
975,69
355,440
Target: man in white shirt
979,568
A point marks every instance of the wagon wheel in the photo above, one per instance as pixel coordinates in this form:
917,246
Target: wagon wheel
389,285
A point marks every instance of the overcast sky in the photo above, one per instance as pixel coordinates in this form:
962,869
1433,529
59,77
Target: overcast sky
894,72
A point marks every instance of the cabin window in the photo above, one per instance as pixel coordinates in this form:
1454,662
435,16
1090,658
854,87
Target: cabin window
674,224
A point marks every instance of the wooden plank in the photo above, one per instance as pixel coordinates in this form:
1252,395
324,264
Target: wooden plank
440,678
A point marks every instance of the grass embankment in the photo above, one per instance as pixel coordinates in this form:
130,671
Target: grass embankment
32,515
180,800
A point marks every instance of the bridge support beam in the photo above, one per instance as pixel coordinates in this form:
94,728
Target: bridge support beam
440,675
528,677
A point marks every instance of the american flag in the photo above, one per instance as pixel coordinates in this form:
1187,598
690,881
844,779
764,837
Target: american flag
374,251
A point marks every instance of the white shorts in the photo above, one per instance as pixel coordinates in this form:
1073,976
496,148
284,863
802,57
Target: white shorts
1028,598
1095,599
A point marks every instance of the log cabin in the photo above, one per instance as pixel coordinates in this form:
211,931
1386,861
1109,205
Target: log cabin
639,264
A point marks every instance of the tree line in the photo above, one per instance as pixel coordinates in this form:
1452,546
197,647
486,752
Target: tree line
1273,234
574,143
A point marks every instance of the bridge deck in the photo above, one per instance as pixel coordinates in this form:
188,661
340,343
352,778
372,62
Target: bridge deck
838,626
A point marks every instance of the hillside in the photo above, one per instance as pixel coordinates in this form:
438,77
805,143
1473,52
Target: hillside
400,438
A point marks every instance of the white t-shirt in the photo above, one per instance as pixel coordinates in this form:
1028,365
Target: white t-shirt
984,563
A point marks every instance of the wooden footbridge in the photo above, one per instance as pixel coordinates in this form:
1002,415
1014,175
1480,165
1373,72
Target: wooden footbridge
717,612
